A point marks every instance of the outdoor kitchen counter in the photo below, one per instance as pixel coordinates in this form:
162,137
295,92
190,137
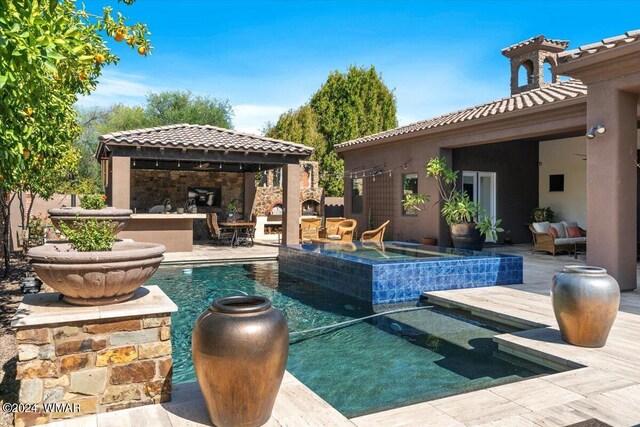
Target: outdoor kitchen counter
173,230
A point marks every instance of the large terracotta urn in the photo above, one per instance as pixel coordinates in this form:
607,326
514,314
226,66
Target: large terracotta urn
240,347
466,236
585,301
96,278
118,217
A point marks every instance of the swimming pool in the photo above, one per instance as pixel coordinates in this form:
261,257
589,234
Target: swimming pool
383,363
395,272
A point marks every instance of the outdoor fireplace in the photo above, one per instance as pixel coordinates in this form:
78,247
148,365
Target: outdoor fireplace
311,207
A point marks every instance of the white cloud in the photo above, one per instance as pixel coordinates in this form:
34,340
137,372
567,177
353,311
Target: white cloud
251,118
118,88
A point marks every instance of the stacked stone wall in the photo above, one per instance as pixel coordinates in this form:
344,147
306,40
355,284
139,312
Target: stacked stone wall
151,187
94,367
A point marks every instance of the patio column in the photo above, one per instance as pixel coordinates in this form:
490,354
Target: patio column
612,182
249,192
120,182
291,204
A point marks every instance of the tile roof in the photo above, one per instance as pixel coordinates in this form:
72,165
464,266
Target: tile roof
552,93
201,137
556,45
604,44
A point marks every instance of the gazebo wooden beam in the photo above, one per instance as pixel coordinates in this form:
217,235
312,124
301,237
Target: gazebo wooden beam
200,155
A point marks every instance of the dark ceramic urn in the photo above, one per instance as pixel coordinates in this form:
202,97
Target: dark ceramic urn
240,347
466,236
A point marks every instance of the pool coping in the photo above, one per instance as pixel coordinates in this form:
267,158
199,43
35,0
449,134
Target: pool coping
451,252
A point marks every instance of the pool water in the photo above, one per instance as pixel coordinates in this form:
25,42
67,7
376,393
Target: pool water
382,363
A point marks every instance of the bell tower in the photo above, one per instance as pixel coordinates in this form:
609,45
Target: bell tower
528,59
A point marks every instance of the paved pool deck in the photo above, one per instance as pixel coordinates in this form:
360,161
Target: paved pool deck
602,384
208,253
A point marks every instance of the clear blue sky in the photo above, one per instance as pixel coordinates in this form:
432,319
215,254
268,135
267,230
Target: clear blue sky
268,56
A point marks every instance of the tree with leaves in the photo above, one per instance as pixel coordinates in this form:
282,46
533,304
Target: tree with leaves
347,106
50,53
300,126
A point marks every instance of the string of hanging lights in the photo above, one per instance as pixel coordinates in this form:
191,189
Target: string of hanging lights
372,172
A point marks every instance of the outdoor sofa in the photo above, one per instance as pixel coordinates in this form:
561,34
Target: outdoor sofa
555,237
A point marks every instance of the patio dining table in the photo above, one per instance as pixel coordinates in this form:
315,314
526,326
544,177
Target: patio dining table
236,226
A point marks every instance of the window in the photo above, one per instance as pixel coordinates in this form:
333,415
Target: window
556,182
356,195
525,73
409,186
548,74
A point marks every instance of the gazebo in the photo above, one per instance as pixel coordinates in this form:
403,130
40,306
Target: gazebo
141,167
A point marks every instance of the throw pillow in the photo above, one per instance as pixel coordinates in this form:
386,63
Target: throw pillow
553,231
559,228
334,237
541,227
573,232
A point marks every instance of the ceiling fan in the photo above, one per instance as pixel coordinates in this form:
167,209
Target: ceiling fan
584,156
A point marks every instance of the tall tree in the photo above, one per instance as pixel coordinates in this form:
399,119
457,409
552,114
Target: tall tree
300,126
353,104
347,106
166,108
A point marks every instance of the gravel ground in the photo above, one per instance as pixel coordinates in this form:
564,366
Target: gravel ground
10,297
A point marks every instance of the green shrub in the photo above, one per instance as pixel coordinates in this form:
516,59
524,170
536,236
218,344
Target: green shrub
93,201
88,235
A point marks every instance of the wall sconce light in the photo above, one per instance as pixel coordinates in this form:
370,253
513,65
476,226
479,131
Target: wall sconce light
595,131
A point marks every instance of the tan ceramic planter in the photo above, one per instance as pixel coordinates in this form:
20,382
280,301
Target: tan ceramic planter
119,217
96,278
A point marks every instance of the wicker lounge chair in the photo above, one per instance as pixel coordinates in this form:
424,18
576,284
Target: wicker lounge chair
310,228
545,241
376,235
331,226
344,233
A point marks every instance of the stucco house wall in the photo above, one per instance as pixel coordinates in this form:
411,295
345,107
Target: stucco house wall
382,197
568,157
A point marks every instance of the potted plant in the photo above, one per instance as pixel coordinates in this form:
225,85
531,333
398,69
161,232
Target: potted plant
507,239
542,215
232,208
92,206
412,204
94,269
459,211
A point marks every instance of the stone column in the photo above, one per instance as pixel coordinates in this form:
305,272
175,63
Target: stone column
291,204
249,193
75,360
612,182
120,182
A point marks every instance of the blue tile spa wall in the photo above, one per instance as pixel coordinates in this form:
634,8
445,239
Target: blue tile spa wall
344,276
394,282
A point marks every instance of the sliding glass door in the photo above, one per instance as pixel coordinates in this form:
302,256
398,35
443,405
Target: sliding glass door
481,187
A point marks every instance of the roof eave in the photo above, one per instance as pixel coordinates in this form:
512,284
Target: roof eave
464,125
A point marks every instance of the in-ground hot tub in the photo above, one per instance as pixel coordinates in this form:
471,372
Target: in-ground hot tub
396,272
